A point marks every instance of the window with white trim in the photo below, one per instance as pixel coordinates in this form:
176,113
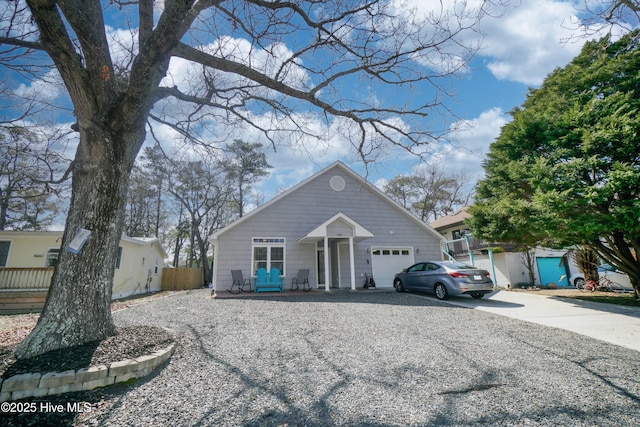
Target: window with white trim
267,253
52,257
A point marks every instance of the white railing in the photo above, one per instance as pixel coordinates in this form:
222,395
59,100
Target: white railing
25,278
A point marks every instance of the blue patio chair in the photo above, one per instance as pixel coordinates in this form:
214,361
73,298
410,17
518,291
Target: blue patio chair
262,280
274,278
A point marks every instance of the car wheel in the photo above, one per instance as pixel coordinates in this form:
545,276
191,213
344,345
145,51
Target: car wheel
477,295
441,291
398,285
579,283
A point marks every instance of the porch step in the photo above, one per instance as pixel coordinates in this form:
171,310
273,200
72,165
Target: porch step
17,302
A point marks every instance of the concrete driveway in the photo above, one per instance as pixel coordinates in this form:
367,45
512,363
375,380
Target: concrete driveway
611,323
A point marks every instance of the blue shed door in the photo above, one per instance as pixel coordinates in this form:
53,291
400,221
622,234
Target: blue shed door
552,270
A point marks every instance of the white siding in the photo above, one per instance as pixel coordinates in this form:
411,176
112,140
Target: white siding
137,273
507,269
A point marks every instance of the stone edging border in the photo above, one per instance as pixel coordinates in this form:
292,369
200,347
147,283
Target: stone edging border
37,385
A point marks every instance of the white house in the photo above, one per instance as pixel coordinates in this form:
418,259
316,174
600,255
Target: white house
334,223
27,259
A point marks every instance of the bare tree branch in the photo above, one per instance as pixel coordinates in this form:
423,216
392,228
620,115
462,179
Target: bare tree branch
607,16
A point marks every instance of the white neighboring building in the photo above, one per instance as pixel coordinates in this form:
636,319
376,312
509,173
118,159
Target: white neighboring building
507,267
25,255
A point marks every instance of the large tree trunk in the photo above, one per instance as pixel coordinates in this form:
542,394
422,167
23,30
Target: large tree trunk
204,260
4,207
528,259
635,282
78,306
587,261
621,254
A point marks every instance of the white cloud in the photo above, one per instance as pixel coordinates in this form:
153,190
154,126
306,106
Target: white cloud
297,160
470,143
305,141
448,25
299,154
46,90
530,40
466,152
123,45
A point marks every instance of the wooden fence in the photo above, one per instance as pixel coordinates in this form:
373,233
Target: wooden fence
25,278
24,290
179,279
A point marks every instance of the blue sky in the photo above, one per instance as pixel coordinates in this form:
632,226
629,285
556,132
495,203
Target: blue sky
522,46
525,42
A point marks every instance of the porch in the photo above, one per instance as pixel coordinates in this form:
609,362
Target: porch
25,278
335,250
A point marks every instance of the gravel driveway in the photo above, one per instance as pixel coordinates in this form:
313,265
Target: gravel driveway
366,358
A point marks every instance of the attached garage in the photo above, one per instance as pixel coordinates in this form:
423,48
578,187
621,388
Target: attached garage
386,262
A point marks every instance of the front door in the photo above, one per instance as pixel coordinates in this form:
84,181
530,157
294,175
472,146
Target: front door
320,265
339,263
334,264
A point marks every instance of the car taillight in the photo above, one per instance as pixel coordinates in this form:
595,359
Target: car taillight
488,275
457,275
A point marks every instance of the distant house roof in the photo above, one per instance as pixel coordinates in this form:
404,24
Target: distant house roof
27,233
451,220
145,241
141,241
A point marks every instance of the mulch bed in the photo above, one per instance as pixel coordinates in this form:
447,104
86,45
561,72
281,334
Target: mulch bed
130,342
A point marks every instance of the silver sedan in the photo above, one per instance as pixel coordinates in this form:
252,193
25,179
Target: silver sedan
444,279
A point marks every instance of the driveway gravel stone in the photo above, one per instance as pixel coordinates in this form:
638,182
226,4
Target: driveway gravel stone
364,358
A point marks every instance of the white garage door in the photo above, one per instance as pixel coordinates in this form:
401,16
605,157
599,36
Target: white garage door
386,262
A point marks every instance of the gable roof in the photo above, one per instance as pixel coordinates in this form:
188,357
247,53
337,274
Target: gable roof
451,220
319,232
145,241
348,171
